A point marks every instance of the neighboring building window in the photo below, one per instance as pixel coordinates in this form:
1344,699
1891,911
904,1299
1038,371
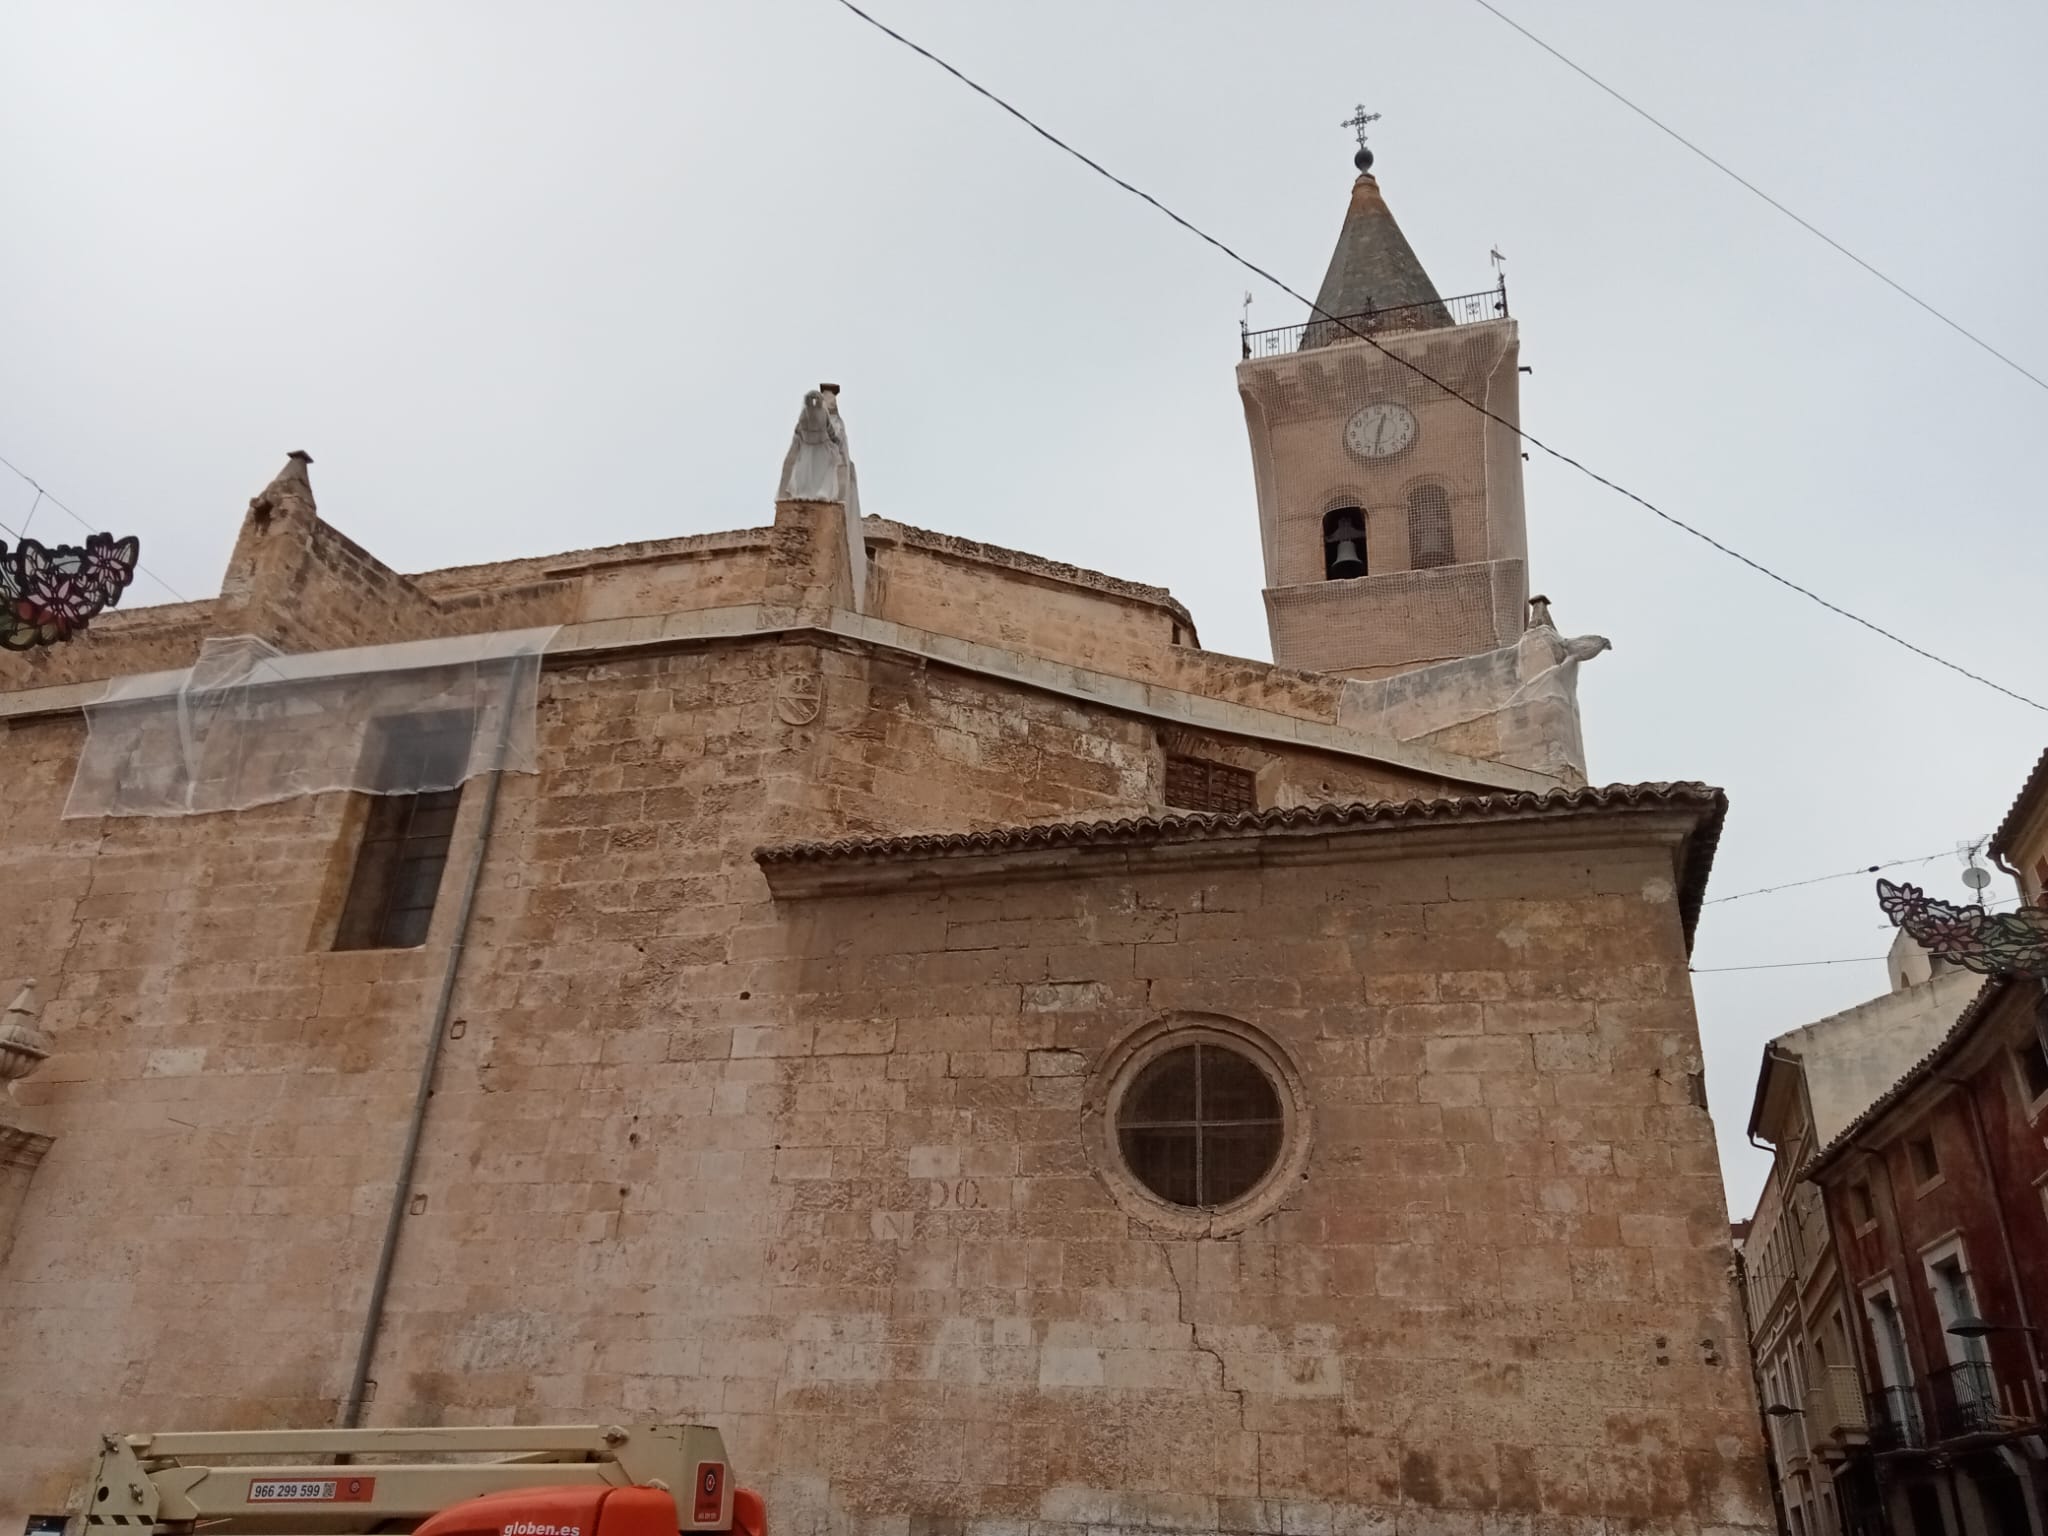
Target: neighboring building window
1197,784
1343,543
1429,527
1200,1125
405,839
1971,1388
1861,1210
1952,1299
1926,1166
1895,1368
2033,1064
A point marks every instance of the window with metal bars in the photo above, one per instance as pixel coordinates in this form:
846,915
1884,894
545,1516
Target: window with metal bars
1200,1125
1197,784
404,846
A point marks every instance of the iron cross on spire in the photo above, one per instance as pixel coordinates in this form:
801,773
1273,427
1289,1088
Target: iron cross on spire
1358,121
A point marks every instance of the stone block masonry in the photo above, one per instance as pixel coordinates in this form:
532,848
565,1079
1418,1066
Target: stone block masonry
814,1145
1497,1293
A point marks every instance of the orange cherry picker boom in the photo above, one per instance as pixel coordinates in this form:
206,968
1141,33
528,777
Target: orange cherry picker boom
538,1480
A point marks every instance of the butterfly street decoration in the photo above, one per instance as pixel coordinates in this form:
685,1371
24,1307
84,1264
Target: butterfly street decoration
1990,943
50,592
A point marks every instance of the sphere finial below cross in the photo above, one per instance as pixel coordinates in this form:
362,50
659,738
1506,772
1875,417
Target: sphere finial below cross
1357,122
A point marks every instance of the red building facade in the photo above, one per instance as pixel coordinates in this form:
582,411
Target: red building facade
1937,1197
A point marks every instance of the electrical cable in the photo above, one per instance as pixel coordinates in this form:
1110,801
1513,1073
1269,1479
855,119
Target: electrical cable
1793,885
1524,436
1784,965
43,495
1744,182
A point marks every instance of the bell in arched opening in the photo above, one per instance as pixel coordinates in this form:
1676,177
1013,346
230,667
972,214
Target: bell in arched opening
1344,543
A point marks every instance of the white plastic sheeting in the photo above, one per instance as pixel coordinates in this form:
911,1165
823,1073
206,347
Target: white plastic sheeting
248,724
1518,705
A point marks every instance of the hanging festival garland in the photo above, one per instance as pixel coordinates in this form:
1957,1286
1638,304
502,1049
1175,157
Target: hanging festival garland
1991,943
51,592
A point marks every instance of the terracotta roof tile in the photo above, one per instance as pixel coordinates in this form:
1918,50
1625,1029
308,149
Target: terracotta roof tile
2037,782
1710,803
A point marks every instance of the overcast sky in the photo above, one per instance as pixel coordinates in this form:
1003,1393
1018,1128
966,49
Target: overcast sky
525,278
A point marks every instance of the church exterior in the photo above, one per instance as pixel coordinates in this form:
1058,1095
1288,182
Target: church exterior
896,999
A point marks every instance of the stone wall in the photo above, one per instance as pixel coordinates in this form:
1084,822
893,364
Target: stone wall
297,582
228,1093
1499,1291
1040,607
815,1170
807,1168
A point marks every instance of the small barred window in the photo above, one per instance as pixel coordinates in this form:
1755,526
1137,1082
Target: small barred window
1200,1125
1197,784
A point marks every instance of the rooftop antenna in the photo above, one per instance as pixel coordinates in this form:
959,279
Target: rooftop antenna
1244,324
1975,875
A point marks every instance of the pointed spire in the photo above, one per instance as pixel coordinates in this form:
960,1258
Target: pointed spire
290,490
1373,268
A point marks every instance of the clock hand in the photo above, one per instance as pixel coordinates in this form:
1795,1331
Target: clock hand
1379,434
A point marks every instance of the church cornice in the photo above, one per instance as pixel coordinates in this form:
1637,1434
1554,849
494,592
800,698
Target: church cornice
1686,817
654,634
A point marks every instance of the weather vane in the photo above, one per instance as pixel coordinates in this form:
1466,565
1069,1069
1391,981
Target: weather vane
1358,122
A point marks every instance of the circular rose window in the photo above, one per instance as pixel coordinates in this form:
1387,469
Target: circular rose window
1200,1125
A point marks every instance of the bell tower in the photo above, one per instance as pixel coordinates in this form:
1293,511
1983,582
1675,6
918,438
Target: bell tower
1390,511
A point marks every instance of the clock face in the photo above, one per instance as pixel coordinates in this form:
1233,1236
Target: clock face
1380,431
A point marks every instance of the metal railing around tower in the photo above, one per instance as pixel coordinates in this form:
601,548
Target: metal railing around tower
1460,309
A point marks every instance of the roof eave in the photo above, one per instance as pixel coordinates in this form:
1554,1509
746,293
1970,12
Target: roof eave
2024,804
1687,817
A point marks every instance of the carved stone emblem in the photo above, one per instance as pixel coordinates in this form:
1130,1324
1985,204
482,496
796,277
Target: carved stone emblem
798,698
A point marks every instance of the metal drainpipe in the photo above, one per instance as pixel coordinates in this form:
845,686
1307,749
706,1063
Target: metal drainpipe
380,1284
2012,1272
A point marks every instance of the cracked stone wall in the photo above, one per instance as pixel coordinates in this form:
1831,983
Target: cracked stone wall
612,1169
1497,1300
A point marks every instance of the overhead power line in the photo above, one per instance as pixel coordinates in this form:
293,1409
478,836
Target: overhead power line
1533,441
43,495
1793,885
1744,182
1784,965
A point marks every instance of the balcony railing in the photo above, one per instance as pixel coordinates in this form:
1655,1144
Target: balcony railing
1953,1402
1895,1419
1965,1399
1834,1405
1462,309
